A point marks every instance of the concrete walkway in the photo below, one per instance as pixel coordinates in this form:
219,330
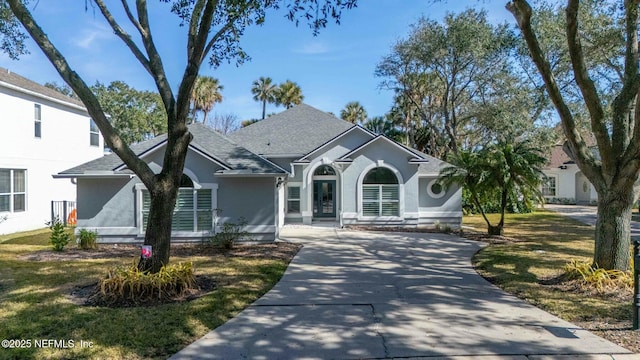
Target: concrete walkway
358,295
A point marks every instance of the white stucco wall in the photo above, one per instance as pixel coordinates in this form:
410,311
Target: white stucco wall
64,143
566,183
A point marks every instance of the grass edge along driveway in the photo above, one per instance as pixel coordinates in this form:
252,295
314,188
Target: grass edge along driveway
548,242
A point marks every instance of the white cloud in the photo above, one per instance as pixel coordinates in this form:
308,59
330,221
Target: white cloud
313,48
90,37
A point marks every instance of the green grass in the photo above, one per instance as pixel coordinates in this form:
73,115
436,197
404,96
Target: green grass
34,237
33,305
550,242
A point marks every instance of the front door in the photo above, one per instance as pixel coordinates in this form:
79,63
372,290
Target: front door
324,198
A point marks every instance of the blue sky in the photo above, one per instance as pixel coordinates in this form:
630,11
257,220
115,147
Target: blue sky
333,68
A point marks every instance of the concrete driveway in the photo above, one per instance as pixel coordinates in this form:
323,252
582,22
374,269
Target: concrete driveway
586,215
355,295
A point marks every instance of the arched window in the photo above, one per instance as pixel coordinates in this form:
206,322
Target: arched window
380,193
324,170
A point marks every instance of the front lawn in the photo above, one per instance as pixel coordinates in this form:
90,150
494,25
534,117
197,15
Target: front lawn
35,304
524,268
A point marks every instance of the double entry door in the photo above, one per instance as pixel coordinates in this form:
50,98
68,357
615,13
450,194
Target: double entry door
324,198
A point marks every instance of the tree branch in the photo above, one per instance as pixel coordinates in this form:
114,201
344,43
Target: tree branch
155,61
123,35
92,104
587,86
521,10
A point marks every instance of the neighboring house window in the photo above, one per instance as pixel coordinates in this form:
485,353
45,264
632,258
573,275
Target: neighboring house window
13,190
94,134
380,193
37,125
549,186
293,199
193,210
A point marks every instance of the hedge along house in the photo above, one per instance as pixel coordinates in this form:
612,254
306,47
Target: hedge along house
300,166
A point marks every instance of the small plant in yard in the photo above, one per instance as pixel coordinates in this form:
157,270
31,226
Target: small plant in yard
437,226
128,285
59,237
87,239
231,232
597,277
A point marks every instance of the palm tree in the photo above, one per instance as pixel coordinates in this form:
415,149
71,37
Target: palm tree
289,94
354,113
504,170
206,92
264,90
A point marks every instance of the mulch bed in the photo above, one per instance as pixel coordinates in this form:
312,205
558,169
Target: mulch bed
276,250
89,294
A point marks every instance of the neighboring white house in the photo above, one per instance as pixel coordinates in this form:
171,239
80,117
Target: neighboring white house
566,184
43,133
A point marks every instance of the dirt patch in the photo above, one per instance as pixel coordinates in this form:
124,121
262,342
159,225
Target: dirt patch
276,250
89,294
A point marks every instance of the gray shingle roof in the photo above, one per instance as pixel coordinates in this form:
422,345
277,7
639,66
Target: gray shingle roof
296,131
205,139
12,78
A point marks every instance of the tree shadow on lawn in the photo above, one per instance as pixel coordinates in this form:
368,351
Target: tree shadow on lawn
35,306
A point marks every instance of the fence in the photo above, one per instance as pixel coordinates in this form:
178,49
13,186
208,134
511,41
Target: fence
65,211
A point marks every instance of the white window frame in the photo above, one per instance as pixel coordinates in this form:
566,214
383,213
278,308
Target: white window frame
94,133
214,205
37,121
545,185
400,185
299,200
12,192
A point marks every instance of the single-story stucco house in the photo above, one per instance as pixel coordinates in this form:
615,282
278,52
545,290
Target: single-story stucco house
300,166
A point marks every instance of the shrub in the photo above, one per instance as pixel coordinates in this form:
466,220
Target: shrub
598,278
231,232
59,237
87,239
130,285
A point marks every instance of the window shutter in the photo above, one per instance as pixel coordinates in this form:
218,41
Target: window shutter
205,211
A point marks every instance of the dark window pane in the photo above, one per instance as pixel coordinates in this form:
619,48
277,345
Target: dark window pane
92,126
19,181
94,139
293,206
19,203
5,181
436,188
37,129
324,170
5,202
37,114
380,175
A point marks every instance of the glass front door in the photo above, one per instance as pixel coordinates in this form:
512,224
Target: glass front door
324,198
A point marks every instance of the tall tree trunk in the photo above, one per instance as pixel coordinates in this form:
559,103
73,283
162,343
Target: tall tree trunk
613,229
204,120
158,231
264,108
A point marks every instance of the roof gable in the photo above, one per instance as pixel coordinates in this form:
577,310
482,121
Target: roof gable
336,138
10,79
296,132
378,139
209,143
